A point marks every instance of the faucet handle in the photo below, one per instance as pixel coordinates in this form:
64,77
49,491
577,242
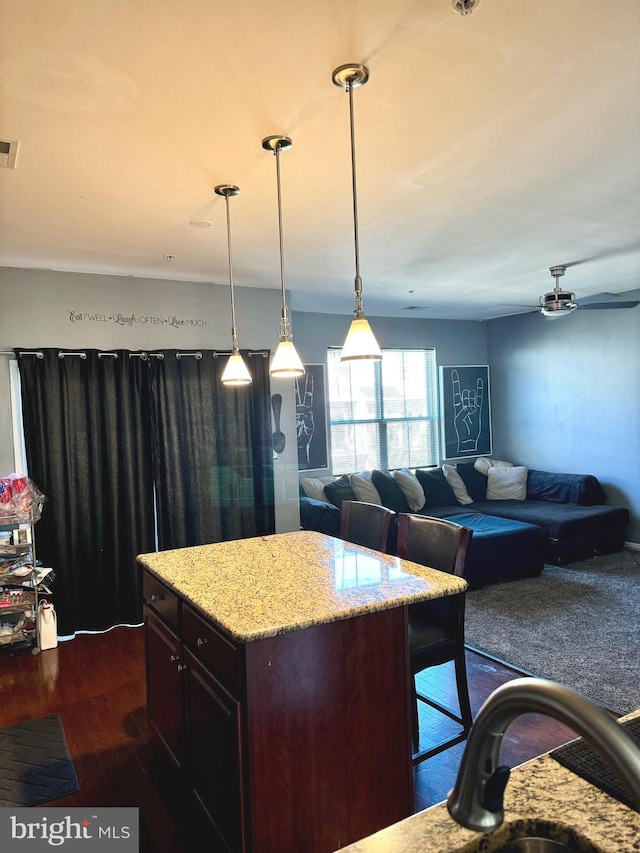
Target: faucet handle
493,794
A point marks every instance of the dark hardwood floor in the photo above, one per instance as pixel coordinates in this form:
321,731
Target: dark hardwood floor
96,684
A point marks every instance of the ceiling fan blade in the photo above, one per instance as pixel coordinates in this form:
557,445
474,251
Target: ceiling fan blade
607,300
610,305
514,311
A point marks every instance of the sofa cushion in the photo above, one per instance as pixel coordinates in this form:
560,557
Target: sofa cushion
579,489
321,516
411,487
475,482
363,487
436,490
507,484
313,487
500,549
559,521
339,491
391,495
483,463
455,481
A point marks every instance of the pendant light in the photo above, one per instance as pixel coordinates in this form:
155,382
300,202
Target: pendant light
236,372
360,342
286,361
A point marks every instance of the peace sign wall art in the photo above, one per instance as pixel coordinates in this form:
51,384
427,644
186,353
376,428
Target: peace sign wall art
465,404
311,418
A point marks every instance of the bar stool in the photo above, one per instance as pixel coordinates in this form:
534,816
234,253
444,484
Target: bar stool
436,628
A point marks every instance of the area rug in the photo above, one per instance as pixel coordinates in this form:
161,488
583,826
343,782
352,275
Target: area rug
577,624
35,764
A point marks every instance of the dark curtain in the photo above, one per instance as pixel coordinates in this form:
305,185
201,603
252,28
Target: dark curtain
212,450
87,435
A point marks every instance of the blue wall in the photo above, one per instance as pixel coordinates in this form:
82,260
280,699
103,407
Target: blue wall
566,397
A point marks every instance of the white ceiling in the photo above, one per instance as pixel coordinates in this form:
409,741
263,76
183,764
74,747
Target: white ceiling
489,147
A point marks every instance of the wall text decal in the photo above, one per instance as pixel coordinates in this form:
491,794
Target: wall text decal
133,319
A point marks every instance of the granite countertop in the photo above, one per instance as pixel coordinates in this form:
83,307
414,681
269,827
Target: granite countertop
541,791
269,585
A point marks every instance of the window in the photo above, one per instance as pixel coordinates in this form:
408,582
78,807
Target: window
383,414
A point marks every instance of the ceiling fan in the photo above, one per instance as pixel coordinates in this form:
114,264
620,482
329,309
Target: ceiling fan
560,303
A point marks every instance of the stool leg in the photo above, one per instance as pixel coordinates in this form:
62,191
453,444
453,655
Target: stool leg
463,689
415,727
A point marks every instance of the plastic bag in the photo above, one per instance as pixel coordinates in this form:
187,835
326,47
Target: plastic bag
21,500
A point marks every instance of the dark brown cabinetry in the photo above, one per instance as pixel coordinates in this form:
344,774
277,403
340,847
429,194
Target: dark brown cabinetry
164,691
212,749
298,742
195,717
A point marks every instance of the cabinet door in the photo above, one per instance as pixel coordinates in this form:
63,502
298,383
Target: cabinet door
213,751
164,683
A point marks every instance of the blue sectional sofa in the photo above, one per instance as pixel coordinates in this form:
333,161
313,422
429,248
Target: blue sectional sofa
563,517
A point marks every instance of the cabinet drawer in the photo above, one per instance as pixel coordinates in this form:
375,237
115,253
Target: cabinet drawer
221,656
161,599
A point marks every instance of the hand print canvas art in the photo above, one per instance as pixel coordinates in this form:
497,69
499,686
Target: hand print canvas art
311,418
466,411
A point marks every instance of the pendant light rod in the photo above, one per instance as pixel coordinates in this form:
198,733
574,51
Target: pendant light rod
235,373
354,185
228,190
276,144
286,362
351,77
360,342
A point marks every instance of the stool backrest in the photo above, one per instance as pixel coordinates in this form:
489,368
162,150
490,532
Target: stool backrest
366,524
434,542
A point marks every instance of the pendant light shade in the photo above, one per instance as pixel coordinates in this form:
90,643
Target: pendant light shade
360,342
236,372
286,361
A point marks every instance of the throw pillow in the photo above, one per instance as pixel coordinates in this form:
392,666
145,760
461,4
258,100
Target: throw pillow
475,482
390,492
436,489
483,463
507,484
313,487
363,487
339,491
411,487
455,481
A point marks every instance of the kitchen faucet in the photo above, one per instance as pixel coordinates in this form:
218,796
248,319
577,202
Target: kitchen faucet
476,800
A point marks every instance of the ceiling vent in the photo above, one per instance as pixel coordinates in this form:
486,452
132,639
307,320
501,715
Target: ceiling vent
8,153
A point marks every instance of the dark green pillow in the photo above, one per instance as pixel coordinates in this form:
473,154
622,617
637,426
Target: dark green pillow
436,489
475,482
339,491
391,495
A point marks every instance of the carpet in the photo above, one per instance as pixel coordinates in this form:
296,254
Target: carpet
577,624
35,764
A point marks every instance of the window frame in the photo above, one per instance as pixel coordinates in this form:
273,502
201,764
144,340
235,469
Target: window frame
432,417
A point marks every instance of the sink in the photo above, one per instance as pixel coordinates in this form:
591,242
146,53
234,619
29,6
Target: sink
536,844
536,836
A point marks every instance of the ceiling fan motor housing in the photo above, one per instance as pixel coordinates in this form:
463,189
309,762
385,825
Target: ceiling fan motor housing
558,300
560,296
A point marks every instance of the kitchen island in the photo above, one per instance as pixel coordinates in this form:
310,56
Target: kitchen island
278,682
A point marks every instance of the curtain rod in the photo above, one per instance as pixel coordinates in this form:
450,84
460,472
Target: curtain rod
143,355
